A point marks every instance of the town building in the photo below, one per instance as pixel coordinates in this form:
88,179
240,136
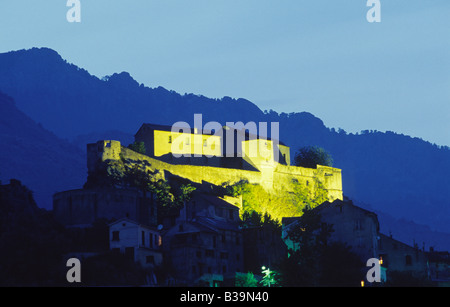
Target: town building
141,243
439,267
205,246
400,257
82,207
352,225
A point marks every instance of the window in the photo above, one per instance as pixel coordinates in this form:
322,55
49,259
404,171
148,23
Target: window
115,236
214,242
205,143
199,254
238,257
223,238
230,215
408,260
209,253
224,269
150,259
219,211
223,255
180,228
150,243
143,238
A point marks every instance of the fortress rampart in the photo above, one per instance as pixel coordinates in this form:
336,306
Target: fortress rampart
273,178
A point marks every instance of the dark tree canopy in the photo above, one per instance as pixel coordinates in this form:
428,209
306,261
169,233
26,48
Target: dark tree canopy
318,261
138,147
311,156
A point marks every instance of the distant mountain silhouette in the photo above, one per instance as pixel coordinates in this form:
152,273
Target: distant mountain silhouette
70,102
37,157
402,176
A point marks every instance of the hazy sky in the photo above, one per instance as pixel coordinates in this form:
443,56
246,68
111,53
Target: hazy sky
319,56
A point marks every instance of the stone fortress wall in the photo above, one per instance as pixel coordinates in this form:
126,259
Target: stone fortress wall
273,177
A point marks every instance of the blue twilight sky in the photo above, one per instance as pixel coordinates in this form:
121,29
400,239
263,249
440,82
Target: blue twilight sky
319,56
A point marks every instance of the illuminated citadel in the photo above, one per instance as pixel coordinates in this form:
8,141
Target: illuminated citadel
274,175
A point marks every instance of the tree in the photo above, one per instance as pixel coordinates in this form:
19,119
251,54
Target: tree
340,267
318,262
311,156
269,278
247,280
256,219
169,199
137,147
290,202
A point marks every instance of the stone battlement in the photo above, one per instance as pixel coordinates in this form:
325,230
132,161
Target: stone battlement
276,177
